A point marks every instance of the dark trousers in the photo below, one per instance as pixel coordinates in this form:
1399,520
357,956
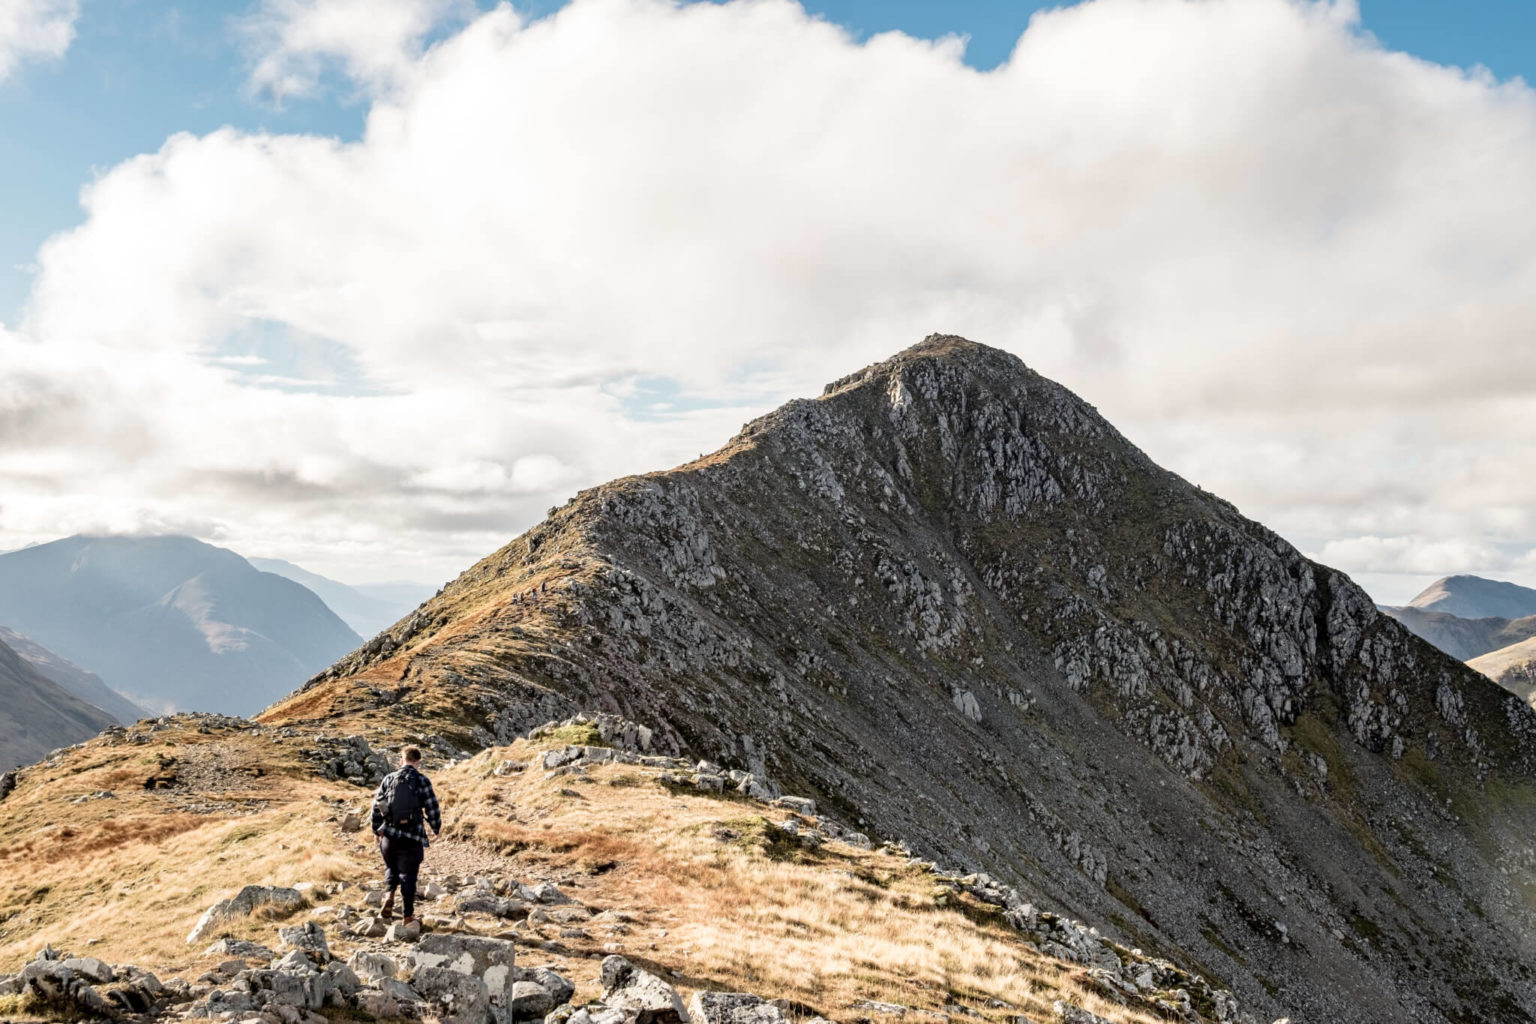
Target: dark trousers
402,859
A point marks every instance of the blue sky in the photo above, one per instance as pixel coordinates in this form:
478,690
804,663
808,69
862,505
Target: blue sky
142,70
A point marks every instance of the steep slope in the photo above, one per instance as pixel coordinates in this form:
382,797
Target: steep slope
173,622
951,601
88,686
1473,597
1512,667
366,612
38,715
1463,638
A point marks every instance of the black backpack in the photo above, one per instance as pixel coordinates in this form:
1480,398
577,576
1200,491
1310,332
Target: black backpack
403,803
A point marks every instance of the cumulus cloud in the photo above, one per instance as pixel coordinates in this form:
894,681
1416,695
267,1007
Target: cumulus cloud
1297,267
34,30
375,43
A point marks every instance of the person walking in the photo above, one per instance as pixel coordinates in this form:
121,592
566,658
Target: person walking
402,809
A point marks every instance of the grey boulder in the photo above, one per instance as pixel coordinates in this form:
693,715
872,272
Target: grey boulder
458,997
732,1008
243,904
639,995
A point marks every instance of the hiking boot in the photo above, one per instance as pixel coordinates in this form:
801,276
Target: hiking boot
387,911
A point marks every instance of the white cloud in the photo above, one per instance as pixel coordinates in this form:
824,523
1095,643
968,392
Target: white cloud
1411,555
1298,268
375,43
34,30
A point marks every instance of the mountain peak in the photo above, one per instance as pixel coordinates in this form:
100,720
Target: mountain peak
948,599
1474,597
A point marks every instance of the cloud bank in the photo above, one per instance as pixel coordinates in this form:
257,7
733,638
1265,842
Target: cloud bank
34,30
1296,267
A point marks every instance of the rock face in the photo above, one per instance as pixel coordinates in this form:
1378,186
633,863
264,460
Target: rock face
952,603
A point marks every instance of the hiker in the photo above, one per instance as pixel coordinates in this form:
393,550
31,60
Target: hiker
402,809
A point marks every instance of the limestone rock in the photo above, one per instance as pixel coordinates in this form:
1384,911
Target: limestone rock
402,931
555,988
595,1014
1066,1013
732,1008
56,984
370,927
242,948
91,969
308,937
243,904
641,996
531,1001
456,996
372,968
492,961
548,893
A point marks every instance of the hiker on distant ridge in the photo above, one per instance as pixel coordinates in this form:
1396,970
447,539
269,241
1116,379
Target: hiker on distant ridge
402,809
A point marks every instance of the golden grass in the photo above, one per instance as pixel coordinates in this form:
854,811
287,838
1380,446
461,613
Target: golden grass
136,872
718,897
719,904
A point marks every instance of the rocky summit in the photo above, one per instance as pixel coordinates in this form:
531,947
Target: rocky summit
953,605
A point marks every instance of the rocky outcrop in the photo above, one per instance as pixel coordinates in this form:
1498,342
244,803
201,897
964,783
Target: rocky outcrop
244,903
59,986
732,1008
949,602
639,996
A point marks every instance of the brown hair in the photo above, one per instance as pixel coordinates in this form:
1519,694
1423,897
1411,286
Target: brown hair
412,755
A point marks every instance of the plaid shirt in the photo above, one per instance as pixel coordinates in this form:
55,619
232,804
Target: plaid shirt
429,810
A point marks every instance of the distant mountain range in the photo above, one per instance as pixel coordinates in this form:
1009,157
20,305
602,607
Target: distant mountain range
1512,667
1461,637
173,623
1472,597
37,715
88,686
367,608
1489,624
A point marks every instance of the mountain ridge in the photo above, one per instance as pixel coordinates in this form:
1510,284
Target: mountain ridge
1512,667
944,595
38,715
1463,638
367,609
1476,597
172,621
88,686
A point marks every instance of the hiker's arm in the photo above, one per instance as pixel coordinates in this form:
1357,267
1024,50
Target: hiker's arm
430,810
376,813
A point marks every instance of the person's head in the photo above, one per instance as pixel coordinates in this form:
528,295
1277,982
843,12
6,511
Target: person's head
410,756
